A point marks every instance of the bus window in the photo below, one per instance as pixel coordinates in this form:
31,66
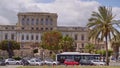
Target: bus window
62,58
77,58
69,57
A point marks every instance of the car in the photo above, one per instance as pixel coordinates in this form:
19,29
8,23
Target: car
85,62
35,61
12,61
70,62
25,61
2,62
50,62
98,62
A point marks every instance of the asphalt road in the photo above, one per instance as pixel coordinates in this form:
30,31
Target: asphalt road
14,66
114,63
10,66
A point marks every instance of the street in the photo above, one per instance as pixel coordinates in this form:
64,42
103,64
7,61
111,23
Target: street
14,66
10,66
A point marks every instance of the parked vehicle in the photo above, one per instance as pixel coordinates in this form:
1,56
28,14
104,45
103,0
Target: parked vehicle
86,62
25,62
70,62
50,62
35,61
2,62
12,61
98,62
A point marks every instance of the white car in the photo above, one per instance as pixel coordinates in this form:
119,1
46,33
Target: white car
50,62
98,62
12,61
35,62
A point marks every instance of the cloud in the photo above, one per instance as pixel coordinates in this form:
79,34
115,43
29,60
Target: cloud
4,21
70,12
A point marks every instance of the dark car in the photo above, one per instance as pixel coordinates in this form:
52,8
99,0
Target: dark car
86,62
25,62
70,62
2,62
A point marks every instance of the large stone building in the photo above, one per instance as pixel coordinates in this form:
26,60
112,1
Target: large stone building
31,25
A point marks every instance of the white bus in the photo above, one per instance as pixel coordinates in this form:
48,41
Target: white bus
76,56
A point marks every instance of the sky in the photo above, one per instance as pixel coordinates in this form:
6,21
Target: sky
70,12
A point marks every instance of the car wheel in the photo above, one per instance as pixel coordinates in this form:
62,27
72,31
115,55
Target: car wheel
37,64
7,63
17,63
54,64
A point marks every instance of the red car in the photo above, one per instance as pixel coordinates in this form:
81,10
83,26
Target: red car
70,62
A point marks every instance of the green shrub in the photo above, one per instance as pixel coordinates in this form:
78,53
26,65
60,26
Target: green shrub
1,57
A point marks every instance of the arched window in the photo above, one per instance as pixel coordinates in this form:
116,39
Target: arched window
47,21
32,21
51,20
37,20
42,21
27,21
23,21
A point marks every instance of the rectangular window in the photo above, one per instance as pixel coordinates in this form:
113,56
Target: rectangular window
82,45
12,36
76,36
32,37
22,37
82,37
27,37
6,36
36,37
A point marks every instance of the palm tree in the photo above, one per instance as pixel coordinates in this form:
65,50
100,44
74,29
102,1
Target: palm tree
101,26
90,48
115,44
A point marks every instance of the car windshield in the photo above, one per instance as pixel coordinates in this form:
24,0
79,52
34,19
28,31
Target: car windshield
96,60
49,60
38,60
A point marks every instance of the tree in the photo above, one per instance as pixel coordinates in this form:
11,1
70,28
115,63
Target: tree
101,26
9,46
67,43
103,52
90,48
115,44
50,40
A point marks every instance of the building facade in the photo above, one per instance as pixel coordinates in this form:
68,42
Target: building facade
31,25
